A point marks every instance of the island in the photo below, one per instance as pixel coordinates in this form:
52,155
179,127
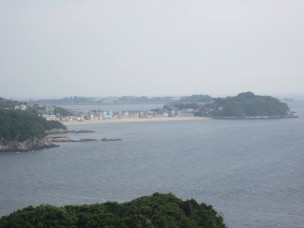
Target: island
157,210
245,105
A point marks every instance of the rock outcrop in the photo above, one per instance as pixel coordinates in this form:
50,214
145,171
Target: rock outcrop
27,145
63,131
110,139
67,139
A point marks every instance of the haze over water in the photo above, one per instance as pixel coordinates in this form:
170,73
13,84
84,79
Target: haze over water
251,171
150,48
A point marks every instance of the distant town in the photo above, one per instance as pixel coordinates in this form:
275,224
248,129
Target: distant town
245,105
51,108
65,115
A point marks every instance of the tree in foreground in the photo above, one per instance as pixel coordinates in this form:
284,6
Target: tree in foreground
157,210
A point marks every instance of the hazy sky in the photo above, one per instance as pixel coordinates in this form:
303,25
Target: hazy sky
62,48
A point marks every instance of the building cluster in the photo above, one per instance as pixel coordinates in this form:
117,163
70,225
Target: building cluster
21,107
83,115
48,112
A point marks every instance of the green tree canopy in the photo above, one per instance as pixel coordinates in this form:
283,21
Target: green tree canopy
17,125
62,112
9,104
248,104
157,210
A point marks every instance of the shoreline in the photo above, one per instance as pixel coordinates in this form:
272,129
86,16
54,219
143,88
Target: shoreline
132,120
27,145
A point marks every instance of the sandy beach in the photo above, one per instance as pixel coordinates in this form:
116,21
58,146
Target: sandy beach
132,120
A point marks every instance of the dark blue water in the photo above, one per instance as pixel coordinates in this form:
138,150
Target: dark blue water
252,171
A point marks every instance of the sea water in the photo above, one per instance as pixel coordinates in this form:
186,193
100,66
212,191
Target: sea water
251,171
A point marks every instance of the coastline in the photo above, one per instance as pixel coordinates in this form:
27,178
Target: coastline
132,120
27,145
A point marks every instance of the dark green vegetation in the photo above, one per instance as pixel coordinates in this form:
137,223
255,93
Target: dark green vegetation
9,104
158,210
62,112
246,105
17,125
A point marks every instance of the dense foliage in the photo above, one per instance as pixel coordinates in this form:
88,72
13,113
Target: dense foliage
245,105
17,125
9,104
158,210
51,124
62,112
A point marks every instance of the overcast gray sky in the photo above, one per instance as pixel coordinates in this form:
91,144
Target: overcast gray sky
160,47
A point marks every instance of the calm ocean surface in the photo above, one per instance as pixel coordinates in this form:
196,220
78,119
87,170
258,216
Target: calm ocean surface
251,171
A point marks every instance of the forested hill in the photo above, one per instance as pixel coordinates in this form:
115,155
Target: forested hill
247,105
9,104
17,125
158,210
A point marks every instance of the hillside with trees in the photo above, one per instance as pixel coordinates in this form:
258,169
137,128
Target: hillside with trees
24,130
157,210
9,104
19,125
244,105
247,105
62,112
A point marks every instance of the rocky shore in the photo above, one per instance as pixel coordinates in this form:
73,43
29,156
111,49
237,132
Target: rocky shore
48,142
67,139
110,139
62,131
27,145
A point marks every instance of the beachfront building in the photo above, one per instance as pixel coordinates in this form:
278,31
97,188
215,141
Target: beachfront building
107,115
